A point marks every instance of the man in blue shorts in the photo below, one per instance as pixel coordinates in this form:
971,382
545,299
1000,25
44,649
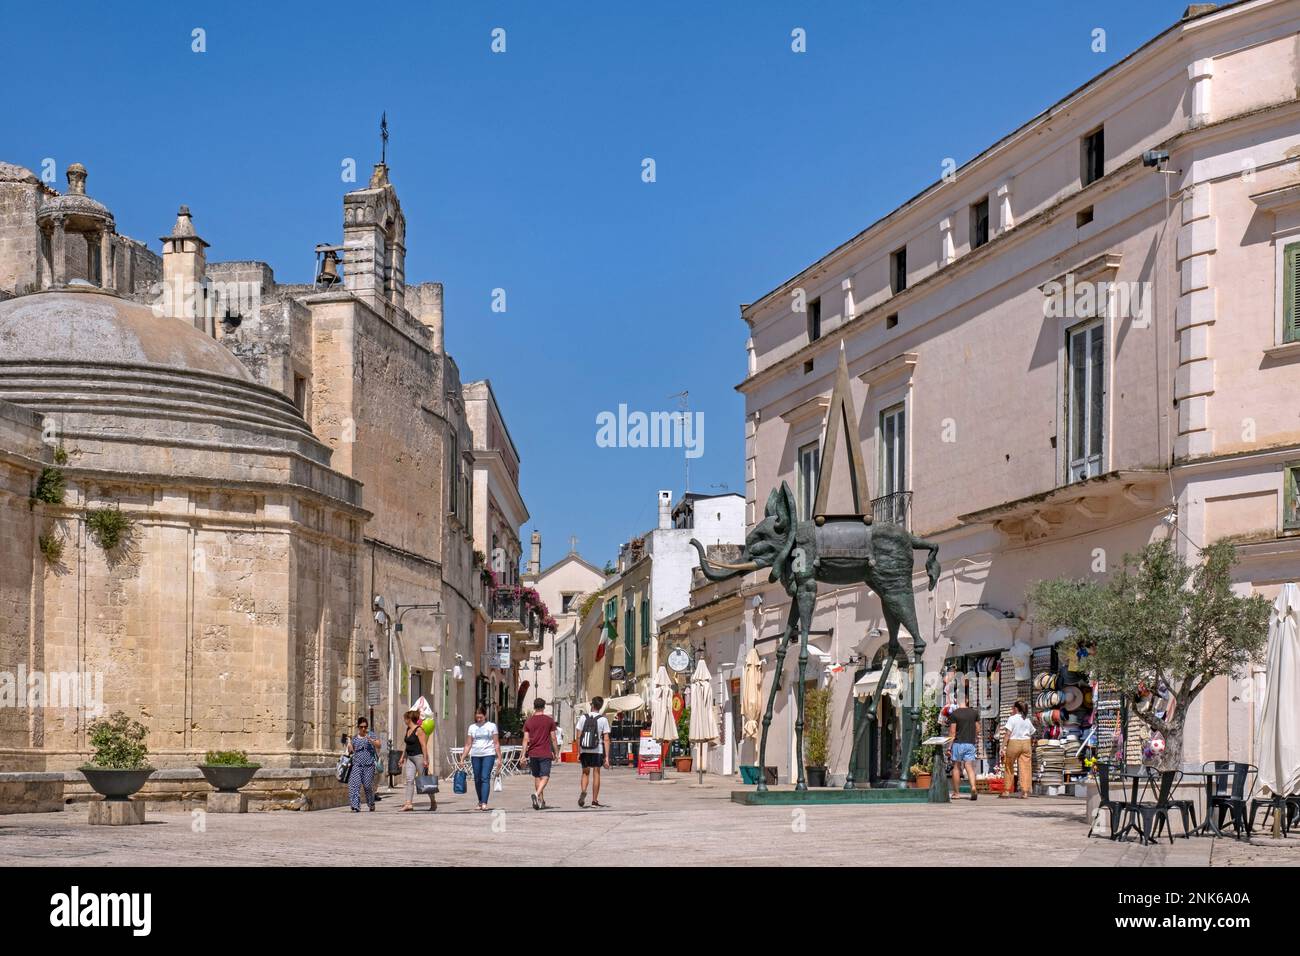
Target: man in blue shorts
963,730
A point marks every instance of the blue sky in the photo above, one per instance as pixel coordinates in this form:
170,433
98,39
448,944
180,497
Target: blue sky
522,170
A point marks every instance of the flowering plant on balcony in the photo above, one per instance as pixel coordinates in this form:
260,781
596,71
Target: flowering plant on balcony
530,597
489,577
550,624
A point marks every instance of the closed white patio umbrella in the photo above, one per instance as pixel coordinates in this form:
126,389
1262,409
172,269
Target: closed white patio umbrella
1277,729
751,694
662,725
704,722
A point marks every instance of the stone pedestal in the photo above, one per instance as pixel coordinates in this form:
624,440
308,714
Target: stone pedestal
234,802
117,813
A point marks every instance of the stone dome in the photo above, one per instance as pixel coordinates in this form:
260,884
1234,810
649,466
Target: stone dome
86,325
13,173
141,394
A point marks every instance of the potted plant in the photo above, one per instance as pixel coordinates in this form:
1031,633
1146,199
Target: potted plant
119,766
227,770
683,764
817,733
923,756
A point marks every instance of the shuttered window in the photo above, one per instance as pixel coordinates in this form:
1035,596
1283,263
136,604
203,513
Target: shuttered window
1291,293
1291,502
629,638
645,622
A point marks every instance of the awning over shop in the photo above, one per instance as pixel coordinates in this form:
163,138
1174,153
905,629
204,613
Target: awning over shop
623,704
865,686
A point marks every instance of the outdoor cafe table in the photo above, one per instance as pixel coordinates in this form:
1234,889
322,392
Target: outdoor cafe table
1139,774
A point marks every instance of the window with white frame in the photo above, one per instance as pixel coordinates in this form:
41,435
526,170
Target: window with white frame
1085,385
809,470
893,450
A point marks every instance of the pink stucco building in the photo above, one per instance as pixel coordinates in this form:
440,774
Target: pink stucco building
1059,353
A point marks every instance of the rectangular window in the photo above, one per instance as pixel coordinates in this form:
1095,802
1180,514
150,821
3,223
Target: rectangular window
893,450
814,320
1092,156
809,470
300,392
566,603
1291,293
898,270
645,622
979,223
1084,399
1291,497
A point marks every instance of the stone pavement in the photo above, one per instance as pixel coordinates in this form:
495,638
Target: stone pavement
669,823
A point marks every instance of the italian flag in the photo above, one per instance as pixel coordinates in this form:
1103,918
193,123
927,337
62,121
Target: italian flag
607,631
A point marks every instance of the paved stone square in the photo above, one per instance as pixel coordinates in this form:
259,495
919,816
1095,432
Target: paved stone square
674,822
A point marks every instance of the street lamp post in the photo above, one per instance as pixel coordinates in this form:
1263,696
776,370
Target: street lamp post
400,610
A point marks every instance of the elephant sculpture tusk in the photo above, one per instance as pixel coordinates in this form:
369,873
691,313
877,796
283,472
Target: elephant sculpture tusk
747,566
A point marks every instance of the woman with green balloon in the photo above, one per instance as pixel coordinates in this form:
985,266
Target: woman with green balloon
415,755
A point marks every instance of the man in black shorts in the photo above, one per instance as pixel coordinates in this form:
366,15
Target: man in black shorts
593,750
541,745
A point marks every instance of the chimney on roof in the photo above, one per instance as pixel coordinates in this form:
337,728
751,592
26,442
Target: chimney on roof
665,510
184,265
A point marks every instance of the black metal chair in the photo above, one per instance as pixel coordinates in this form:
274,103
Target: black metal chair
1228,794
1287,808
1155,816
1114,808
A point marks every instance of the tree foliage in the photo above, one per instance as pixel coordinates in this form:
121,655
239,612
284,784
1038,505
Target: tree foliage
1160,623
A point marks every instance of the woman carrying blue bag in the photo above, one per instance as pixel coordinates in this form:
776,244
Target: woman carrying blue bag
483,745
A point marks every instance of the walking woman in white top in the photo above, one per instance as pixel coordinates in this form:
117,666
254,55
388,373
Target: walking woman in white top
483,744
1019,748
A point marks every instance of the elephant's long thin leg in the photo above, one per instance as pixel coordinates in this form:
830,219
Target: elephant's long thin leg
806,598
782,644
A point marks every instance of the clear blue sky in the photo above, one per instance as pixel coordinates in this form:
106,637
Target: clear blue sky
522,171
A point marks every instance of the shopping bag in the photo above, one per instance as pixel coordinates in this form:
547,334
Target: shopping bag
426,783
458,782
496,784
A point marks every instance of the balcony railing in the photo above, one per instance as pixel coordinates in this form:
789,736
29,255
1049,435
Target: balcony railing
507,605
893,509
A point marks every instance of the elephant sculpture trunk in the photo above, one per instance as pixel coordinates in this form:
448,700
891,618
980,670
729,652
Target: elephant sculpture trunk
710,568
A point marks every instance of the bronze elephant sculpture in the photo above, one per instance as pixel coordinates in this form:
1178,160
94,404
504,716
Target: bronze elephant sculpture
801,554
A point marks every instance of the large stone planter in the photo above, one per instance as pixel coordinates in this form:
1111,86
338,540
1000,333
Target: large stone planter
116,784
228,779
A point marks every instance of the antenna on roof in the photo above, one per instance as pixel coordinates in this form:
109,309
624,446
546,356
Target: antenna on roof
383,135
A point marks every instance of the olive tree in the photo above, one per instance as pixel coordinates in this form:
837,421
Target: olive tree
1160,622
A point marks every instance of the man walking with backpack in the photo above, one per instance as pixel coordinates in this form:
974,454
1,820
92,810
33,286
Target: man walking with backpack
593,750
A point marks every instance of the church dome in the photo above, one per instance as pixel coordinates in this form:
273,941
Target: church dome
86,325
13,173
139,393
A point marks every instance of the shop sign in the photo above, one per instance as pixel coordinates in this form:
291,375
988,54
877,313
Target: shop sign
679,660
618,673
650,759
678,705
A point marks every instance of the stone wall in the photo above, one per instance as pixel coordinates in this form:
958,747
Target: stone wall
21,453
20,249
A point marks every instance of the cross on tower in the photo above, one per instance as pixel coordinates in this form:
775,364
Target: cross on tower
383,135
573,544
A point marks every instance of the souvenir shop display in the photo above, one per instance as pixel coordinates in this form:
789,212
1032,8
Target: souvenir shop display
1063,703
